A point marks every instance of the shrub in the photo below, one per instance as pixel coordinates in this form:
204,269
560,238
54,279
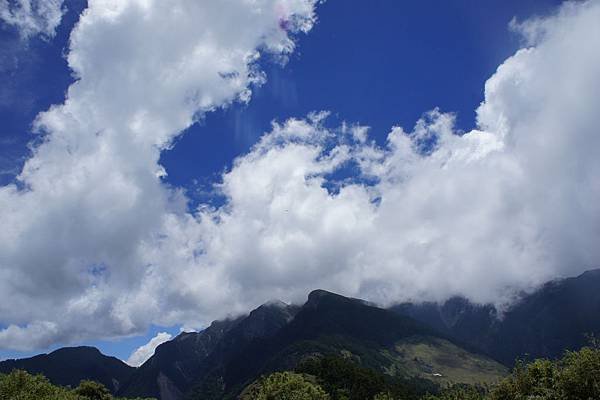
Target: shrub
91,390
574,377
285,386
19,385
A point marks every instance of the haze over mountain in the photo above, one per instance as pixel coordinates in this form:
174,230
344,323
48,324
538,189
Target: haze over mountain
455,341
559,316
221,360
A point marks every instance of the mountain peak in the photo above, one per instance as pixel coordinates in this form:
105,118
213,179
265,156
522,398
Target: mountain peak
318,297
67,366
591,273
318,294
267,319
275,303
78,350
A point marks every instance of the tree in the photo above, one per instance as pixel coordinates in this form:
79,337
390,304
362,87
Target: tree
459,392
20,385
383,396
580,375
344,379
285,386
90,390
574,377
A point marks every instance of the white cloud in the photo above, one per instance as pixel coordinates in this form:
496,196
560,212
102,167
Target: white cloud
32,17
97,246
143,353
486,214
90,198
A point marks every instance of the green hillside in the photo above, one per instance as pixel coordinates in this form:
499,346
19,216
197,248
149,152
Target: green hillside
576,376
441,361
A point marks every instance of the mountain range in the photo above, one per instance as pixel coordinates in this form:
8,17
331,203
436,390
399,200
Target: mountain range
558,316
456,341
221,360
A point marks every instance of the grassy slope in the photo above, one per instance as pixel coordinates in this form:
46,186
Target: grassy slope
426,357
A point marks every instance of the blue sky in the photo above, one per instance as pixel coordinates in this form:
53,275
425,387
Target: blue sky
402,59
378,63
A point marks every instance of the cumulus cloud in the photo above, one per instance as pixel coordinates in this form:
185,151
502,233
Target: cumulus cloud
95,244
32,17
91,198
433,213
143,353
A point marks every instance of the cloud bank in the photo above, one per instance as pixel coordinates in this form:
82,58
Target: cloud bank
90,200
96,245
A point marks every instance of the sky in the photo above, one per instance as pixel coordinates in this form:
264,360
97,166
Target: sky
167,163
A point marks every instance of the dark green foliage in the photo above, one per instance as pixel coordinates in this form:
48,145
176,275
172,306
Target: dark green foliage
284,386
93,391
574,377
20,385
459,392
535,379
383,396
579,376
344,379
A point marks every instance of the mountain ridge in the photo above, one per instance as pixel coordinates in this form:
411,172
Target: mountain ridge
67,366
554,318
407,340
278,336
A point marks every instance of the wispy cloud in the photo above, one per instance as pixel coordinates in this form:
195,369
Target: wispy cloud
32,17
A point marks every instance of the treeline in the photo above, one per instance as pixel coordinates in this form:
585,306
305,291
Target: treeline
20,385
576,376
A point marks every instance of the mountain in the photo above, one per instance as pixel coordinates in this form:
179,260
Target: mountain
218,362
545,323
221,360
190,358
69,365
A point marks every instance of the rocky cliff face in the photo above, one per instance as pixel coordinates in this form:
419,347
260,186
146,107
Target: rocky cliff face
191,359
